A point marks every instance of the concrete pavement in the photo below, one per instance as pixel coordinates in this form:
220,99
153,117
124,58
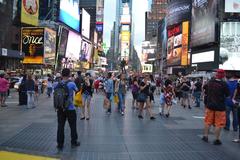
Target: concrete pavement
114,137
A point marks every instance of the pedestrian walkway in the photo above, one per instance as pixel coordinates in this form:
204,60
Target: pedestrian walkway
112,137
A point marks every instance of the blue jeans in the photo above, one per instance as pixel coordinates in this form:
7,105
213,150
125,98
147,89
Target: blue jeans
234,115
197,96
121,98
109,97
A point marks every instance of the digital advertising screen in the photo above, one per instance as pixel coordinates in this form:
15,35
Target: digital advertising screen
232,6
85,24
70,14
86,52
50,46
230,46
32,44
162,39
73,46
178,11
177,44
63,38
204,14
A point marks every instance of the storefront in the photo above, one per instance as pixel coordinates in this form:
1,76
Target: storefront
10,59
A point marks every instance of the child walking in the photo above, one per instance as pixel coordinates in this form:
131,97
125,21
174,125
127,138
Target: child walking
162,103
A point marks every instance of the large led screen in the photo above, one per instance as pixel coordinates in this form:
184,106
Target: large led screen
85,23
50,46
86,52
69,13
204,14
32,44
229,46
177,44
73,46
63,38
178,11
232,6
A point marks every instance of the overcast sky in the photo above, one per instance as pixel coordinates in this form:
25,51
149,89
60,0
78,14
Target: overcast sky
139,8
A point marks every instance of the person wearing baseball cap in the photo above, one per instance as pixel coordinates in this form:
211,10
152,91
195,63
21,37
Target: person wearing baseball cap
215,114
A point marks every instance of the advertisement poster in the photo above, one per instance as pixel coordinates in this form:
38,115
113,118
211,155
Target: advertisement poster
99,11
178,11
177,45
162,39
86,52
204,14
230,46
232,6
147,68
125,47
32,44
69,13
173,52
50,46
63,38
30,12
73,46
85,24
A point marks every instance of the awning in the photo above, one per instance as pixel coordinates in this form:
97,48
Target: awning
11,53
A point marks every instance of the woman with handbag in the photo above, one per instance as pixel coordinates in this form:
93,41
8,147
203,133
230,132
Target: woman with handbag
144,98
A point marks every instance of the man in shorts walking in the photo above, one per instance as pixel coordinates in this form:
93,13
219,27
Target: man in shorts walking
215,113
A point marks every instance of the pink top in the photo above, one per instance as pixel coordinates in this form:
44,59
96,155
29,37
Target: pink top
4,84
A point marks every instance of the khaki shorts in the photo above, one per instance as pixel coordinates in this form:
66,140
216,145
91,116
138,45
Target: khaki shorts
217,118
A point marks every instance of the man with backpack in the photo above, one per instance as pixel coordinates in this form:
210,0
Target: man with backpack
63,103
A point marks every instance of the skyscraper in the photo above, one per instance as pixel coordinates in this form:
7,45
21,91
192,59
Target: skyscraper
123,29
158,12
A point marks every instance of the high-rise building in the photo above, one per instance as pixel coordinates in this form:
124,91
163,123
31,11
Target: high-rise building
158,12
123,30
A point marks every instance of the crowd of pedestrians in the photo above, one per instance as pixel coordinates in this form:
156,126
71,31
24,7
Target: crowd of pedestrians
220,95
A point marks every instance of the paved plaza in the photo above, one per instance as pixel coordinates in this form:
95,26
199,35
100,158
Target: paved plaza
114,137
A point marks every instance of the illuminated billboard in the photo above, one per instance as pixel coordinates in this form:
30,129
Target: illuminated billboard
73,46
62,43
86,52
204,14
49,46
125,45
69,13
30,12
232,6
178,11
32,44
177,44
229,46
99,11
85,24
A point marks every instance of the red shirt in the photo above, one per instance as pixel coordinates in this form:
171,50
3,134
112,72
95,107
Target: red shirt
4,85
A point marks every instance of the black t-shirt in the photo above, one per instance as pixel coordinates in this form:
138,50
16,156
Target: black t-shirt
216,91
146,89
185,86
79,82
198,86
87,89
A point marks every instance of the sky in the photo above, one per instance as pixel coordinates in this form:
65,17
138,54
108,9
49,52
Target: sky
139,8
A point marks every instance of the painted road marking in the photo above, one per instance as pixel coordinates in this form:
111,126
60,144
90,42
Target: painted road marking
198,117
19,156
